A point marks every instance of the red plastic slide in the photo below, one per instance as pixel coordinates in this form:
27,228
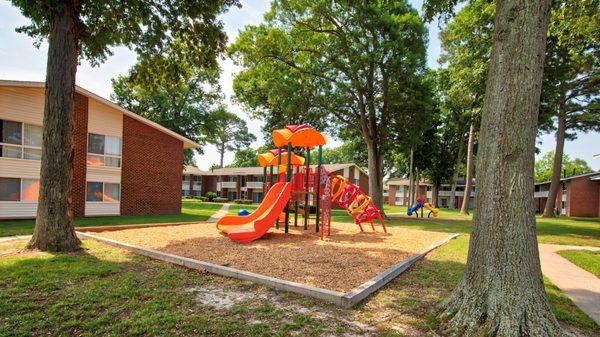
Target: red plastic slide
240,228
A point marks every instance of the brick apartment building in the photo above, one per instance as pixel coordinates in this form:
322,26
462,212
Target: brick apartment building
124,164
580,195
396,192
246,182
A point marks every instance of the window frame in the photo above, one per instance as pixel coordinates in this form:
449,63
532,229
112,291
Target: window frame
22,146
20,201
103,201
105,155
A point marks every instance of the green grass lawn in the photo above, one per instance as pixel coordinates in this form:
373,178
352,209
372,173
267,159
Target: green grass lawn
234,208
191,210
586,259
108,291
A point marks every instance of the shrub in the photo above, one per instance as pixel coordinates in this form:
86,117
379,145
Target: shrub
189,197
220,200
243,201
210,196
203,198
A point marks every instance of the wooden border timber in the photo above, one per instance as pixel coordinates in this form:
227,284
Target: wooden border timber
346,300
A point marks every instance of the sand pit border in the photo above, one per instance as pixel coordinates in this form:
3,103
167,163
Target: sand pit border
346,300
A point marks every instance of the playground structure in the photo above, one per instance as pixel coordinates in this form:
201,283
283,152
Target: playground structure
294,185
420,205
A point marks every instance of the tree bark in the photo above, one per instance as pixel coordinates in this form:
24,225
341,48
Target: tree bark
464,209
417,183
222,154
54,223
556,169
375,166
501,292
459,158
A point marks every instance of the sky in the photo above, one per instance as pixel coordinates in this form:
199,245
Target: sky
20,60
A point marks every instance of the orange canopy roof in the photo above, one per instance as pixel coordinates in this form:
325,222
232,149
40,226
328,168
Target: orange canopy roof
299,136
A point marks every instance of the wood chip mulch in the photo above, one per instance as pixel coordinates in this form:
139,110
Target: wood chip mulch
341,262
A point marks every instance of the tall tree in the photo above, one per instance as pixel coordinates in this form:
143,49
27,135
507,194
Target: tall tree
230,132
182,104
87,29
466,42
501,292
356,65
571,78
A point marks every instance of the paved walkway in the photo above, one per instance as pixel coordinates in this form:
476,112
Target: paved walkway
582,287
219,214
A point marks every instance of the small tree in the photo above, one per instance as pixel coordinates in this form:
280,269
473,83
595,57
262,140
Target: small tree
229,132
87,29
544,166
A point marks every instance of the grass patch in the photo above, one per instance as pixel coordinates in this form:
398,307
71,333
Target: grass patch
104,291
191,210
585,259
413,298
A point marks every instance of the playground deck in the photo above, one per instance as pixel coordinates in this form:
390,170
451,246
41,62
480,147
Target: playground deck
341,262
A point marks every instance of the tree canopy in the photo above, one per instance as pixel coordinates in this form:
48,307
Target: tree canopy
355,68
228,132
543,166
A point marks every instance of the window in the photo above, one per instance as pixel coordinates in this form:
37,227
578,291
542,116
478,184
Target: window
17,189
20,140
103,192
104,150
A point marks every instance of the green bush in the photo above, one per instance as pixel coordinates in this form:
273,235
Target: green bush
189,197
243,201
220,200
202,198
210,196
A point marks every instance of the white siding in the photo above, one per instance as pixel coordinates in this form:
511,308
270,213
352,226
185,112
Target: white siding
356,173
22,104
103,174
19,168
346,173
102,208
104,120
14,210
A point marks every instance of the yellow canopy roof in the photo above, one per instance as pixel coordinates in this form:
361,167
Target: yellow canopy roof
270,158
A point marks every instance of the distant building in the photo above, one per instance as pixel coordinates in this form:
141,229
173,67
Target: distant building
579,196
396,191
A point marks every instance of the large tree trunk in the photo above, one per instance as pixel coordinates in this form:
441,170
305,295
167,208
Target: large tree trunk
375,165
501,291
459,159
556,169
464,209
54,223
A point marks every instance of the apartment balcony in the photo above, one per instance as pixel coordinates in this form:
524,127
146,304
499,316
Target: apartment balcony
185,185
456,194
229,184
254,184
197,186
541,194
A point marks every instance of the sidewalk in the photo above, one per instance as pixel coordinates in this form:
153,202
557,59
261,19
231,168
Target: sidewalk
219,214
582,287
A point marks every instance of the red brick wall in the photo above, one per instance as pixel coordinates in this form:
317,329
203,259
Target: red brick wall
80,127
582,197
392,195
152,170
